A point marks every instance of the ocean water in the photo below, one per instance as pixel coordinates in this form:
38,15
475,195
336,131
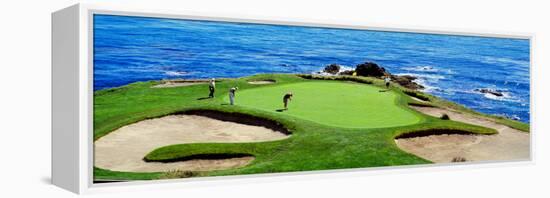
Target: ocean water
131,49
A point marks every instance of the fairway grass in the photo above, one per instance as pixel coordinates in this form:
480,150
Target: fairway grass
339,104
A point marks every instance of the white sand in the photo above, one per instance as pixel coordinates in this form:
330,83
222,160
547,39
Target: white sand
124,148
261,82
508,144
168,84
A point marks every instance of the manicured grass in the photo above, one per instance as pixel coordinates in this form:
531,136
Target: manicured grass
340,104
107,175
318,142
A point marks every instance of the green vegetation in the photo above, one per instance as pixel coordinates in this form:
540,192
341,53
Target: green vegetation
107,175
351,138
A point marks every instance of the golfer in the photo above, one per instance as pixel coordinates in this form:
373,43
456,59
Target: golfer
286,98
387,81
212,88
232,95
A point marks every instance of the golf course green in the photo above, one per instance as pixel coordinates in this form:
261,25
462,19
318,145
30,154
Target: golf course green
333,123
340,104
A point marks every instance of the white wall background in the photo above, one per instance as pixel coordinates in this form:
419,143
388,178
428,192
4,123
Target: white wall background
25,100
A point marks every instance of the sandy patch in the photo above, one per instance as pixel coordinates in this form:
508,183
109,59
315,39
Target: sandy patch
261,82
418,99
508,144
124,148
168,84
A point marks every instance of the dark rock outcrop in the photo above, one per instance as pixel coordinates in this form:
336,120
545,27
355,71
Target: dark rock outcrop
407,81
346,72
490,91
332,69
370,69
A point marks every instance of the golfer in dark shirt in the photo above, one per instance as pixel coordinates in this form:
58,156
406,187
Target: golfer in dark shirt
212,88
286,99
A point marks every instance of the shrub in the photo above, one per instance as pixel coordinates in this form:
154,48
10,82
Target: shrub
340,78
445,117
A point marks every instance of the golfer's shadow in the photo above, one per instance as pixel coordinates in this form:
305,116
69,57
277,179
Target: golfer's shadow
280,110
383,90
203,98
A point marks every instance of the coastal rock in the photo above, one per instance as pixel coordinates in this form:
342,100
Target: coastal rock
507,116
370,69
407,81
374,70
489,91
332,69
346,72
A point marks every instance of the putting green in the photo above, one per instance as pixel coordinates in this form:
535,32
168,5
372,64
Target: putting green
341,104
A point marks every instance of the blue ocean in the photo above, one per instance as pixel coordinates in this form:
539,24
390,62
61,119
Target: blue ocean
131,49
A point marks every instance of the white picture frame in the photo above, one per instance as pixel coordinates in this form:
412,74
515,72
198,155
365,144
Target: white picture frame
72,100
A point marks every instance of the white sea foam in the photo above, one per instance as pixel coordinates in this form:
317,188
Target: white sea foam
428,77
494,60
176,73
421,69
428,69
428,87
513,116
342,69
346,68
506,95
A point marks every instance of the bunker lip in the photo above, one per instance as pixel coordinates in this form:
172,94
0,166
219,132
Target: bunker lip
261,82
446,146
430,132
206,156
124,149
241,118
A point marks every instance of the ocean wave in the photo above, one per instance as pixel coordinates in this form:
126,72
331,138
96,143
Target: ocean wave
176,73
346,68
502,60
421,69
428,87
428,69
430,77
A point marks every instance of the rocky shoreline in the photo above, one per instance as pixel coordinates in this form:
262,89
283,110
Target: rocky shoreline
371,69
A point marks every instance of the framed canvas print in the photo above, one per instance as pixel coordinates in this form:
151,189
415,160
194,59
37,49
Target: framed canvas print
157,96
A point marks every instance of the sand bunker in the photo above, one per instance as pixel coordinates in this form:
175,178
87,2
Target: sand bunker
508,144
124,148
261,82
179,83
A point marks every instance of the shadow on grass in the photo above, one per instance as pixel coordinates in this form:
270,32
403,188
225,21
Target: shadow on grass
203,98
281,110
